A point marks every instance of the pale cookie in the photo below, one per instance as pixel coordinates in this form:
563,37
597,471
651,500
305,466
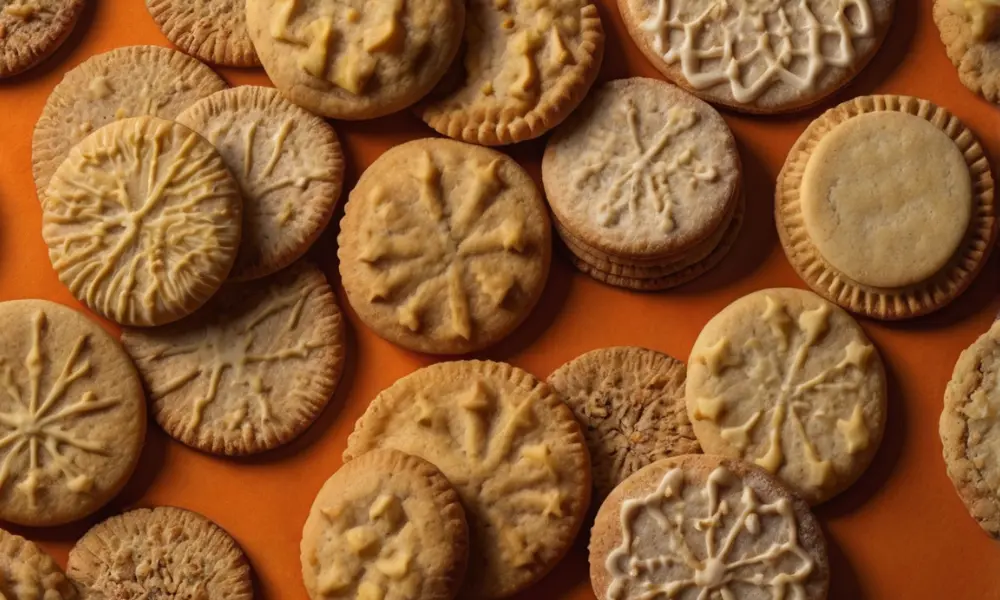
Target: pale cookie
970,30
759,57
142,221
214,31
355,59
526,65
28,573
445,247
386,525
630,403
31,30
72,415
784,379
162,552
885,206
511,448
126,82
289,166
706,527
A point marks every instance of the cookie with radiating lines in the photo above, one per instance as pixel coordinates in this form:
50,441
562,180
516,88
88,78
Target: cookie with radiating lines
32,30
214,31
28,573
970,30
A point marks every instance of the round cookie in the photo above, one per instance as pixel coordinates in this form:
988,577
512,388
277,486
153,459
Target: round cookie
72,415
445,247
759,57
289,166
213,31
125,82
163,552
784,379
970,31
386,525
388,54
32,30
526,65
885,206
630,404
511,448
142,221
250,370
28,573
706,527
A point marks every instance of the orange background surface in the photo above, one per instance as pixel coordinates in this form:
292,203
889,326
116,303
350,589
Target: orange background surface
900,532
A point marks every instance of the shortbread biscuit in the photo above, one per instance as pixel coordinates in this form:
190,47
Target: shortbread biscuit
386,525
288,163
142,221
31,30
970,30
214,31
72,415
28,573
355,59
445,247
512,450
526,65
784,379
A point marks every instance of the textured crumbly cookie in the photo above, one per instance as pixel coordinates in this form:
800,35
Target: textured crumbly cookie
759,57
31,30
250,370
163,552
214,31
142,221
526,65
356,59
72,415
784,379
970,30
511,448
706,527
885,206
444,247
386,525
28,573
630,403
288,163
126,82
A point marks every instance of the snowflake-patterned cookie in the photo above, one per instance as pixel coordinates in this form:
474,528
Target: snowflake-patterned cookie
444,247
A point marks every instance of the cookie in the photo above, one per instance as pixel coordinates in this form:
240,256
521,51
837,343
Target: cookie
355,59
771,57
444,247
214,31
28,573
386,525
163,552
72,415
289,166
250,370
785,380
885,206
31,30
630,404
706,527
511,448
126,82
142,221
970,31
526,64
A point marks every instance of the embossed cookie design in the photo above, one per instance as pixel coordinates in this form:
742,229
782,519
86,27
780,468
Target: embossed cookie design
31,30
26,572
787,381
444,247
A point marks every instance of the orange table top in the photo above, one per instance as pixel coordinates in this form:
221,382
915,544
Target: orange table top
900,532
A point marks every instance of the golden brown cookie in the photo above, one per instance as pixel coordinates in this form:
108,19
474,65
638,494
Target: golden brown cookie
250,370
511,448
386,525
214,31
885,206
630,404
706,527
31,30
355,59
142,221
788,381
72,415
125,82
970,30
526,65
445,247
289,166
163,552
28,573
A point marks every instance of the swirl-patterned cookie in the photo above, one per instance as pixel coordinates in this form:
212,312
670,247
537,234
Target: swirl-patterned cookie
31,30
28,573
